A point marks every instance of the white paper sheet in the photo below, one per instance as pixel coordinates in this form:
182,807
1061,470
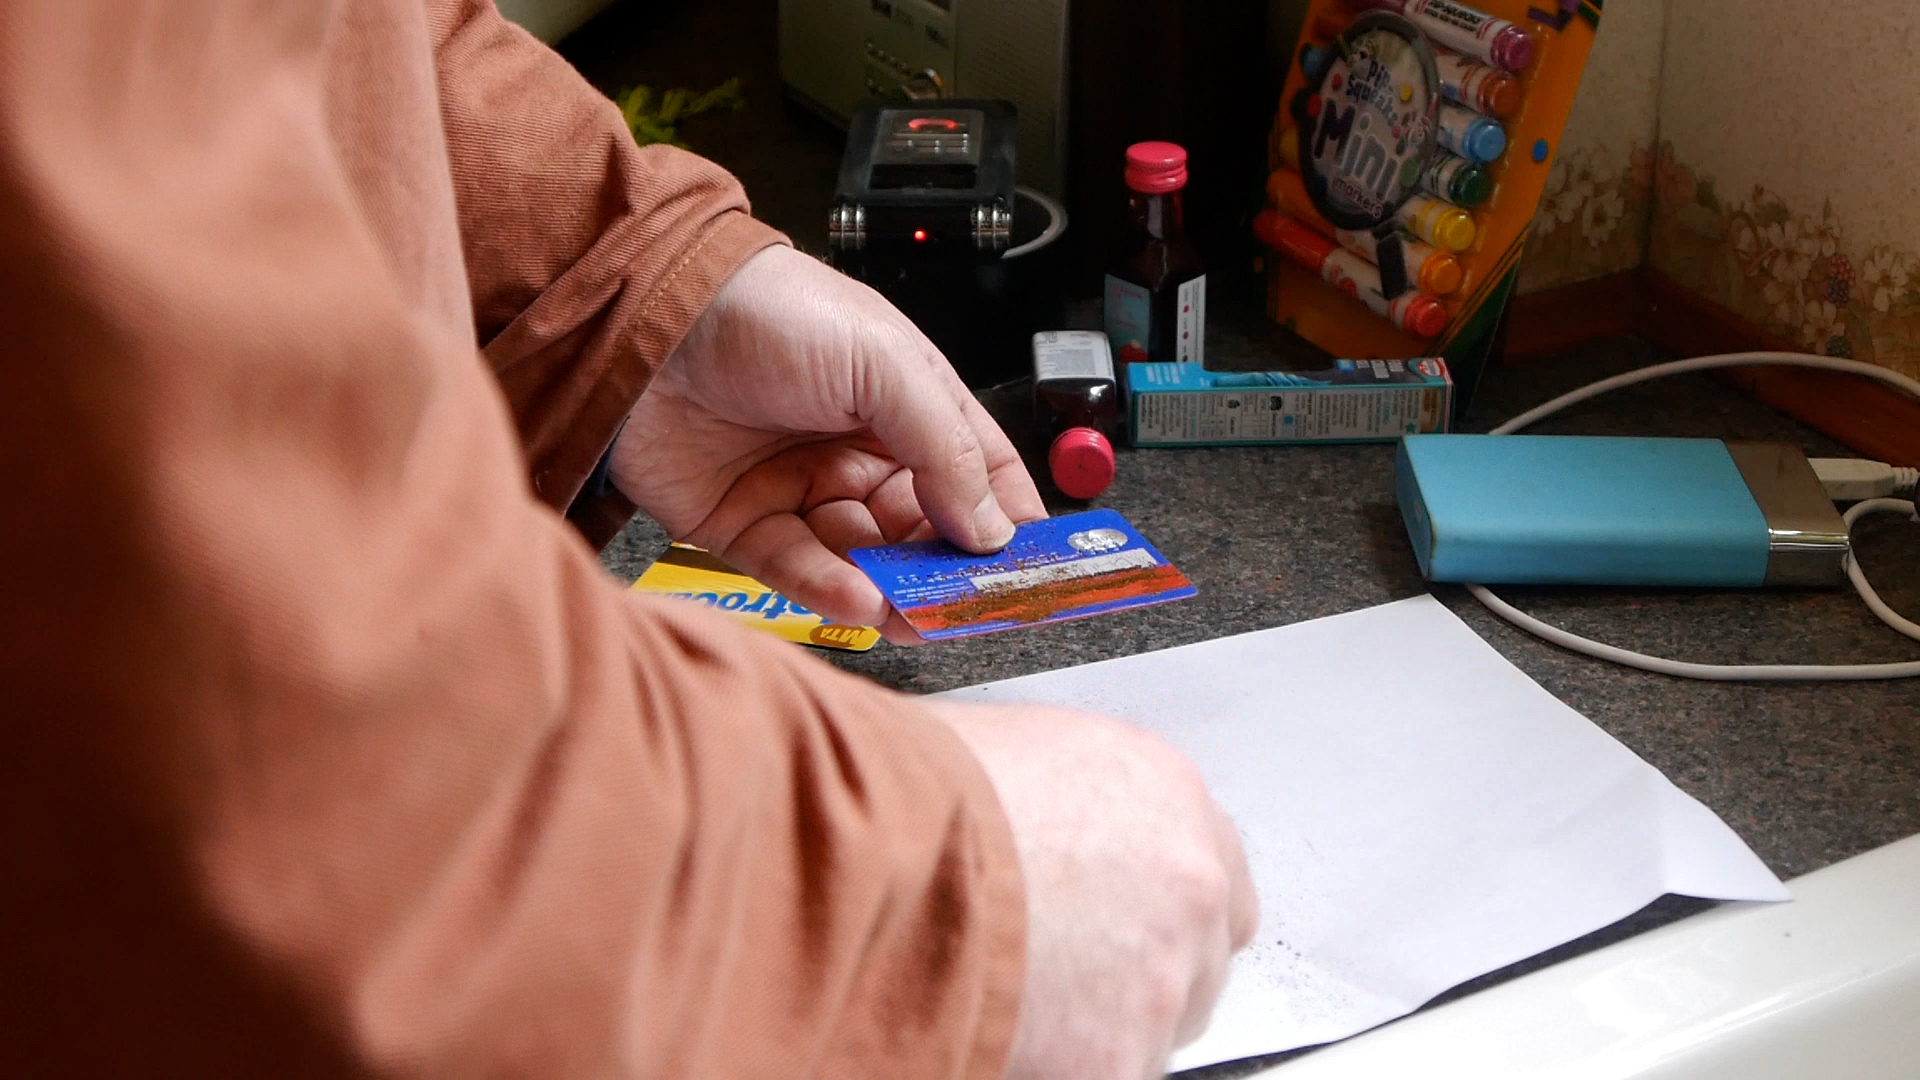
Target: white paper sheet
1416,811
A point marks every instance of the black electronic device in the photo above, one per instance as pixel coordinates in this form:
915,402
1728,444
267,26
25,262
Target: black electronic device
925,181
927,213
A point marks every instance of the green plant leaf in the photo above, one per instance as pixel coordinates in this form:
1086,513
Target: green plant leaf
654,119
725,96
672,104
635,103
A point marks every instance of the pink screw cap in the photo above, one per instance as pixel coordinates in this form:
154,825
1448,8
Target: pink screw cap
1081,461
1155,168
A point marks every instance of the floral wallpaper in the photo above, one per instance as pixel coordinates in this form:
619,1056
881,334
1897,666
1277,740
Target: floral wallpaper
1784,187
1593,220
1594,216
1754,193
1791,270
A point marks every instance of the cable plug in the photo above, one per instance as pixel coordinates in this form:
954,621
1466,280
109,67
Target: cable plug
1854,479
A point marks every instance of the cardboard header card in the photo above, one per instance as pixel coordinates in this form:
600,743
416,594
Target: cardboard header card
1408,156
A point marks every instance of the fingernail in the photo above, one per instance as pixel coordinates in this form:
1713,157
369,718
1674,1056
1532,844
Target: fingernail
991,526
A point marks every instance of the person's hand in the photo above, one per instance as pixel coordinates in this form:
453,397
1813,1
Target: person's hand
1137,889
804,416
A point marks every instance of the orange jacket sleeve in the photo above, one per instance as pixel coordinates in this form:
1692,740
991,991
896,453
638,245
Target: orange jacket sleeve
588,257
325,748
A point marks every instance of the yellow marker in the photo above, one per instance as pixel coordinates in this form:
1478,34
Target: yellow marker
1438,223
1434,271
1406,92
1443,225
693,574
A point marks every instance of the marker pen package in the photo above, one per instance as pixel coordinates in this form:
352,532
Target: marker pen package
1418,122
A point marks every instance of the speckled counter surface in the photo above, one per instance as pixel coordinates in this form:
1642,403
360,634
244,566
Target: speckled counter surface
1806,774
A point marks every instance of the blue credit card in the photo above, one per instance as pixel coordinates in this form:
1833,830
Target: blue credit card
1058,568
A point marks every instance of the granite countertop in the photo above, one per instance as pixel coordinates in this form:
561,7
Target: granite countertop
1806,774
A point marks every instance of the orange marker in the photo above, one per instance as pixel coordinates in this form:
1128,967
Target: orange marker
1416,313
1477,86
1288,191
1434,271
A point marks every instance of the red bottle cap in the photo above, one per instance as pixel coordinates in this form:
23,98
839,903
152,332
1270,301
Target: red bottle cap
1155,168
1081,461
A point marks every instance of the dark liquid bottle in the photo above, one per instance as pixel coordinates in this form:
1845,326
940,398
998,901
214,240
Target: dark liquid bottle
1078,403
1156,296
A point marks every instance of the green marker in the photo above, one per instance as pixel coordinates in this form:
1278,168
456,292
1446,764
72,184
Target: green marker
1457,180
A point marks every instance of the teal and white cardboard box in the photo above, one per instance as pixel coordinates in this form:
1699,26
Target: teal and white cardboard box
1183,404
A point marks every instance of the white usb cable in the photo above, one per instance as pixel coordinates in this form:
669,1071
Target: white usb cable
1844,480
1854,479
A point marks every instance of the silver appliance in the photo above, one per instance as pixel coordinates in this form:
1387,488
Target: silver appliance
835,54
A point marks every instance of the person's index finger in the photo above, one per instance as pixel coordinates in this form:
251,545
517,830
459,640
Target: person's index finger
928,431
782,551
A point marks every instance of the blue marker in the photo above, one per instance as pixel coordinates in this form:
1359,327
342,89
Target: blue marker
1470,135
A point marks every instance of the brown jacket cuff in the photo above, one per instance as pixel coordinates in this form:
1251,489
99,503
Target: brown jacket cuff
683,293
1003,898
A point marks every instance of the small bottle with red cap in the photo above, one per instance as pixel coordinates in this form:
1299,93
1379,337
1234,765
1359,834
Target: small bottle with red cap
1156,295
1078,403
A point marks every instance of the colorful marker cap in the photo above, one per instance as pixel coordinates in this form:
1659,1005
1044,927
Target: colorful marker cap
1155,168
1511,49
1290,148
1470,186
1266,227
1313,59
1453,231
1286,190
1500,96
1440,274
1425,317
1081,460
1485,140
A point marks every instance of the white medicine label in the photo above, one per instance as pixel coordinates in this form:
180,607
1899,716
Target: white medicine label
1190,330
1129,310
1071,356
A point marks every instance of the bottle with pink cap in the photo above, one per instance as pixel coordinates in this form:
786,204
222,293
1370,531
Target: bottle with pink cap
1077,401
1156,294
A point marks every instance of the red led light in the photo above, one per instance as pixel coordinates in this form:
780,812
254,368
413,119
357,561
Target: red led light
919,236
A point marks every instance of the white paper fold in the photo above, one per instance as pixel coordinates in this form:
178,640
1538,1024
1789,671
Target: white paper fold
1417,812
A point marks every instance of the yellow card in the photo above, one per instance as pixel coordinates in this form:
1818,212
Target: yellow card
694,574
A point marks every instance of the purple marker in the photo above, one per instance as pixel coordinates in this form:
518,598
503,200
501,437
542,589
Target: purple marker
1464,30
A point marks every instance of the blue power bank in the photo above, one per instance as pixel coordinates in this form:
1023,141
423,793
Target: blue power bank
1578,510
